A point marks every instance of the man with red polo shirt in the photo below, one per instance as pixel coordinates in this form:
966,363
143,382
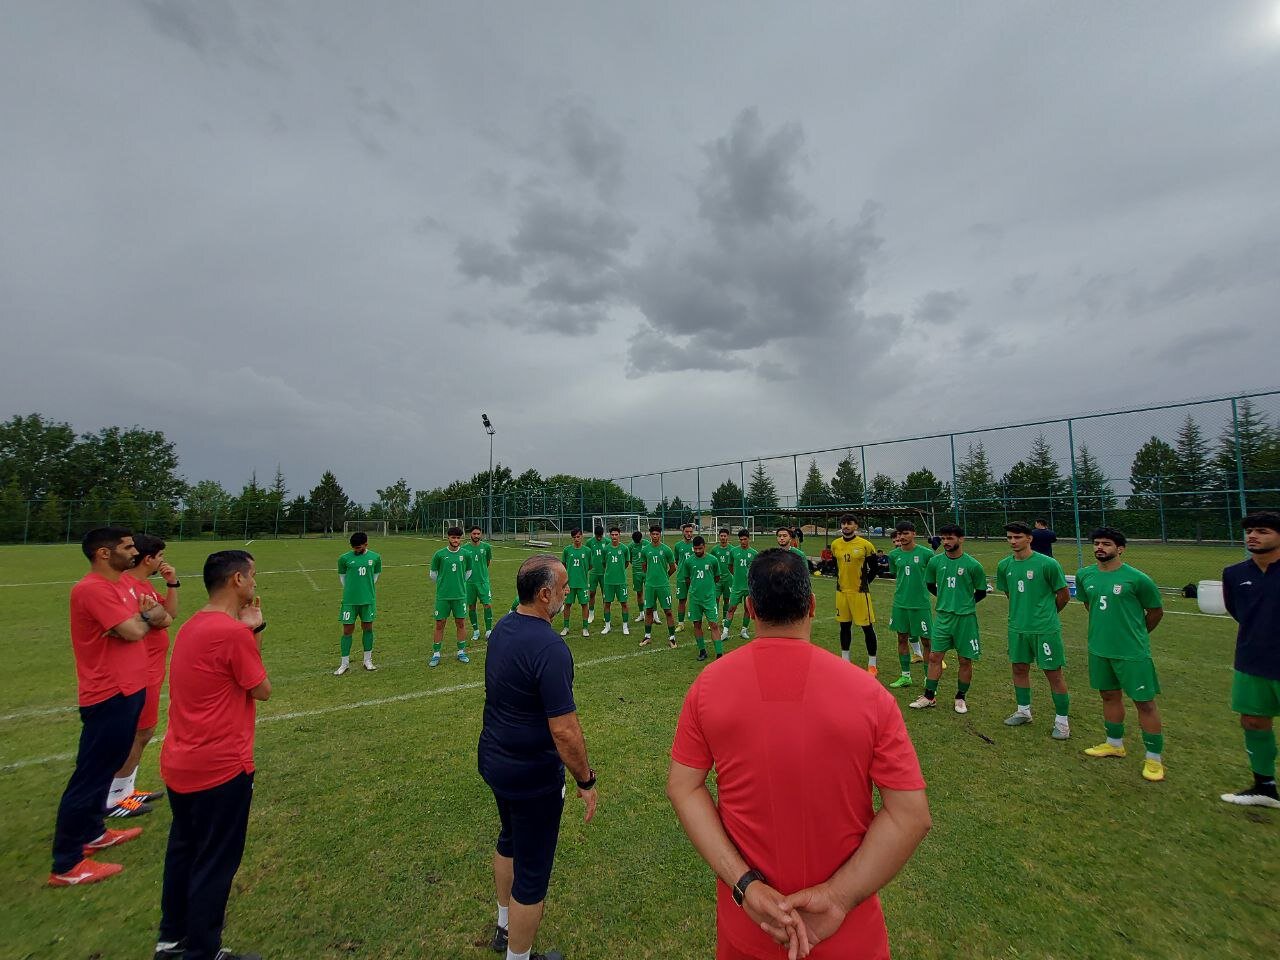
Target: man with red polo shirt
795,841
124,800
216,676
107,623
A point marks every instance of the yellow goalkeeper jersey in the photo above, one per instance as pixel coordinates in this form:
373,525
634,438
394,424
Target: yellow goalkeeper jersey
850,556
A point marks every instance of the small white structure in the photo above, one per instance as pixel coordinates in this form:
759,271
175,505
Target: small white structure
1209,597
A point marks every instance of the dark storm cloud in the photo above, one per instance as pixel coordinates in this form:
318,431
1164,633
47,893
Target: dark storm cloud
594,149
480,259
551,228
749,175
940,306
649,351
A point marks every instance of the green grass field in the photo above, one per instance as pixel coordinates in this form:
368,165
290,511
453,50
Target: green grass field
372,833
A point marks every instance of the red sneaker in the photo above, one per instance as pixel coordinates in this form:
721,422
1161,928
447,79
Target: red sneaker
86,871
111,838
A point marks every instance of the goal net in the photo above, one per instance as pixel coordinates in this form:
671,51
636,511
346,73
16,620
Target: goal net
378,527
735,522
444,529
626,522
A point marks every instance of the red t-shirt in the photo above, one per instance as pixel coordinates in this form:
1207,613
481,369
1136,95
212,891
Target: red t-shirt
156,641
797,737
209,739
105,665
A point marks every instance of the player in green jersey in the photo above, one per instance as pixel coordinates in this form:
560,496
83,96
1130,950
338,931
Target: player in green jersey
699,572
960,584
1037,592
634,550
595,578
659,562
912,615
358,572
721,552
740,558
684,548
451,569
577,561
617,555
787,542
1124,607
479,589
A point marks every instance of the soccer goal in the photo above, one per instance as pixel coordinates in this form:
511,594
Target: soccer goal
735,523
444,529
626,522
376,527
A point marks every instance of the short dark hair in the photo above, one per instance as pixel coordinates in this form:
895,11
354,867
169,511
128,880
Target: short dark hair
848,518
221,566
722,530
1267,519
1109,533
100,537
148,545
575,532
951,529
535,573
358,538
615,529
780,587
636,536
475,526
685,524
698,541
1017,526
453,532
788,529
1042,521
744,532
599,531
905,526
655,528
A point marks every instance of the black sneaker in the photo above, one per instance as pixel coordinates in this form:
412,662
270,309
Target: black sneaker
1262,795
499,942
170,950
225,954
702,654
129,807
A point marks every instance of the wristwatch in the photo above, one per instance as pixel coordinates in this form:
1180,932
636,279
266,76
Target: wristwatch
260,627
145,618
744,881
589,783
173,586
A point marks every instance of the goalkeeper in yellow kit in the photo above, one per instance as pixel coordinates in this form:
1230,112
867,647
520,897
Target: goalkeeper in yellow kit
856,567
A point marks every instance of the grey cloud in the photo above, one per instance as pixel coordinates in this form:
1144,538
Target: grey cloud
376,108
480,259
1021,285
940,306
650,351
1203,274
550,228
561,287
594,149
569,320
775,372
212,29
1192,345
748,180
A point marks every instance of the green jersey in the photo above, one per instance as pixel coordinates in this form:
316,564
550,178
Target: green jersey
909,566
799,553
615,563
957,580
451,568
481,556
597,548
1031,585
577,560
1117,602
684,548
699,574
635,553
358,572
656,560
726,567
740,559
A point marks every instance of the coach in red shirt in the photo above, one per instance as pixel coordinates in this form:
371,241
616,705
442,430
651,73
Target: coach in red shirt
216,676
107,623
797,738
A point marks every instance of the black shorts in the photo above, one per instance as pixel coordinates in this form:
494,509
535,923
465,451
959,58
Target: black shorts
530,831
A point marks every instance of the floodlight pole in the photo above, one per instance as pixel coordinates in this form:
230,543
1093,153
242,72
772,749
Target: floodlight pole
488,428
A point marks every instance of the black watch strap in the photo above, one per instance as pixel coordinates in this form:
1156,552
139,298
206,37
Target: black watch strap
173,586
260,627
744,881
589,783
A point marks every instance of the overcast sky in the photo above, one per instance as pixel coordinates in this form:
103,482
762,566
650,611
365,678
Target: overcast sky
637,235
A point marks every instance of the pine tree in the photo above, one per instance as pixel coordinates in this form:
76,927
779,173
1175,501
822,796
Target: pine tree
328,504
762,496
814,492
727,498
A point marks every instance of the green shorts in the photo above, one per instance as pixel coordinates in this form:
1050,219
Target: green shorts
364,612
1043,649
1137,678
479,594
656,595
722,589
637,584
577,595
1255,696
451,608
958,631
596,581
703,611
736,597
915,622
615,591
682,591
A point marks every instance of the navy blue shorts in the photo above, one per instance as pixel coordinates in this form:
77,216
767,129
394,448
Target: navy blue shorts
530,831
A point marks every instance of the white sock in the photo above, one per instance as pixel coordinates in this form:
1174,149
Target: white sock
844,655
368,656
502,916
1061,721
871,661
512,955
1024,709
120,788
167,944
916,649
345,662
1115,741
1157,757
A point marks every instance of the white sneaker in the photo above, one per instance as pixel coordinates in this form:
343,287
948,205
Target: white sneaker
961,706
475,635
368,665
591,617
564,632
724,634
625,631
922,703
488,634
607,628
639,618
342,668
744,633
586,632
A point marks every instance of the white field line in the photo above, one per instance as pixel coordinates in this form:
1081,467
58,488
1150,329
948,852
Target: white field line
358,705
306,573
247,542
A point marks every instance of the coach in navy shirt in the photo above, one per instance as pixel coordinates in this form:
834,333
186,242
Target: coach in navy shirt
1043,539
530,735
1252,593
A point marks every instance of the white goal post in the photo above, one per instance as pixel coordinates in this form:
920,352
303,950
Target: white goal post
378,527
626,522
444,529
734,523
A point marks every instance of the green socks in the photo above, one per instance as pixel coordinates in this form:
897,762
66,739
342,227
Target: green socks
702,643
345,645
608,617
462,644
1061,703
1022,695
719,645
961,689
366,641
1261,747
1154,742
488,618
930,687
905,660
435,648
471,615
1115,731
671,632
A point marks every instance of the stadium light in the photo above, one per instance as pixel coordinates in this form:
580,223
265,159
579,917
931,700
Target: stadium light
488,428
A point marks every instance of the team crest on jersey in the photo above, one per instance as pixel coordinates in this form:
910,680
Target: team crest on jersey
1116,589
1031,574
